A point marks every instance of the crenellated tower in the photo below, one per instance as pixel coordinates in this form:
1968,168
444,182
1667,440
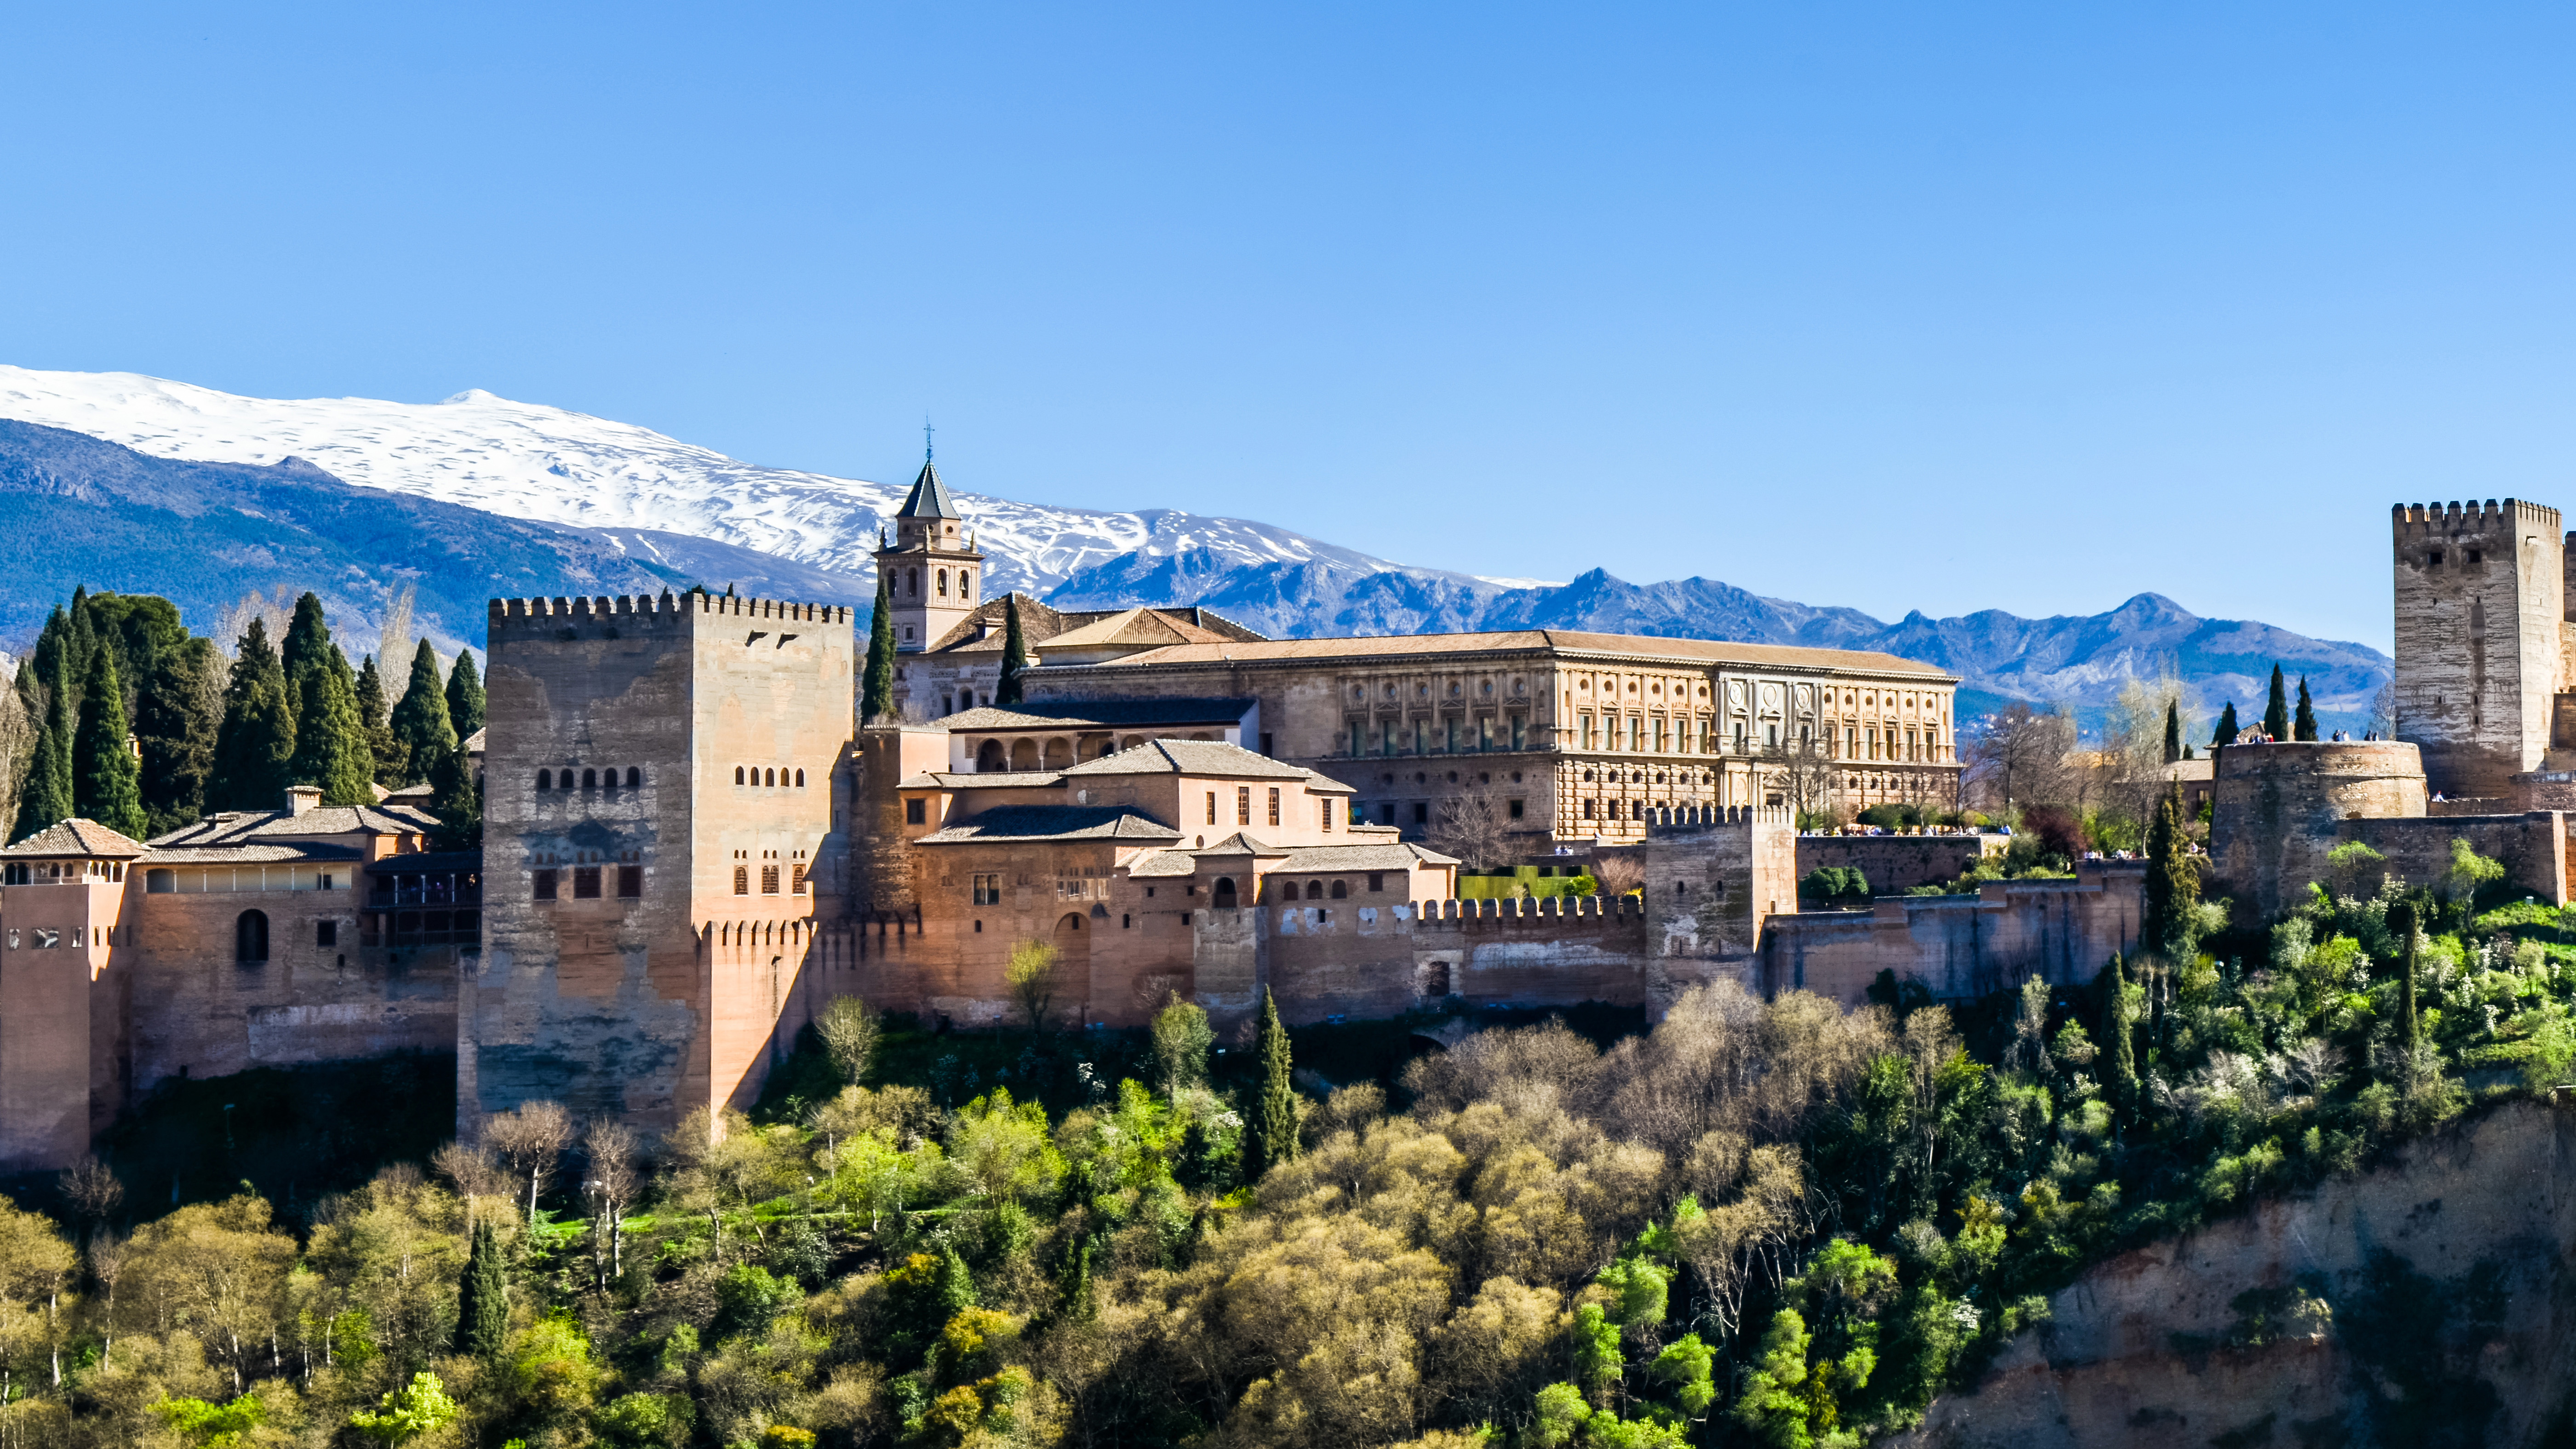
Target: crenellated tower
2482,641
932,568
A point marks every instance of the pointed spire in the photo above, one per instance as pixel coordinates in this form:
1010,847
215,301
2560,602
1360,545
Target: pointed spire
929,496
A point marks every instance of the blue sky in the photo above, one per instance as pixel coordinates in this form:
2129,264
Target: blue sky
1896,307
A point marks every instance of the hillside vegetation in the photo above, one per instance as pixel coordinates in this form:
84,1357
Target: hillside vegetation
1778,1223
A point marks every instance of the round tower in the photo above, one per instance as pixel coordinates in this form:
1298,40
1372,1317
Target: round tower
2277,806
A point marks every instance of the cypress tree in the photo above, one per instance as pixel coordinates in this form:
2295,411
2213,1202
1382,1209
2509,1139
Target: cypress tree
175,719
331,748
44,665
464,696
2228,728
420,724
2173,730
256,737
2276,715
2402,925
307,648
385,752
483,1299
1274,1124
2119,1053
876,695
456,801
46,798
104,778
1074,1300
2172,884
2304,725
1015,652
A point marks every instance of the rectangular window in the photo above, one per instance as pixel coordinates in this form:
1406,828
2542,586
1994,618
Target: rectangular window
1421,812
1587,730
545,880
1514,808
1211,807
1449,735
1355,737
1377,884
1274,804
1872,741
769,880
1520,732
1243,804
988,890
585,882
1265,742
1659,734
796,879
1386,737
1324,813
326,933
1587,809
1422,736
630,882
1386,812
916,812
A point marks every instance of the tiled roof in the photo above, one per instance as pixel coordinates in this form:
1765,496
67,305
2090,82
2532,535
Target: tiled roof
1072,714
929,496
86,838
1362,857
247,854
1163,863
989,780
1635,646
1139,627
982,631
474,743
238,828
1054,822
1241,843
1190,757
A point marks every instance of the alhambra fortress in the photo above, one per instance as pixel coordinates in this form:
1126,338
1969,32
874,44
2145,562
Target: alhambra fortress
692,843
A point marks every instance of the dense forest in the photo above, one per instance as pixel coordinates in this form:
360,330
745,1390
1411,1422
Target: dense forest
118,714
1782,1222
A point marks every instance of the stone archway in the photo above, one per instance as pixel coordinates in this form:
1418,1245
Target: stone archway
1059,753
1024,754
991,758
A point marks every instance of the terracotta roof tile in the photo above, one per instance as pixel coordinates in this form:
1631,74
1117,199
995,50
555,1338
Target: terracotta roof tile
86,838
1054,822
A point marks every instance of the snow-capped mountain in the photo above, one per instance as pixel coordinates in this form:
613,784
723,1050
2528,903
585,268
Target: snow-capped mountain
530,461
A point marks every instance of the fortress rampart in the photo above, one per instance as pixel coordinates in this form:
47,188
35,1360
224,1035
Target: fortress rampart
2279,808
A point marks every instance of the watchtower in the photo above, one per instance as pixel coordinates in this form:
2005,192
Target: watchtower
665,798
932,568
2481,639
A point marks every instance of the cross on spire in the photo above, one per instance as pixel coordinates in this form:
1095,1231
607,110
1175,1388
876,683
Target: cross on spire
925,440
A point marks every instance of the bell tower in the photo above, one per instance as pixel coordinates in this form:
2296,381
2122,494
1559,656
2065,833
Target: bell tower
932,570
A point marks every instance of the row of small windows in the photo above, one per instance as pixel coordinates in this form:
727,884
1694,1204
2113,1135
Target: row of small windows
769,880
588,881
590,780
756,775
965,583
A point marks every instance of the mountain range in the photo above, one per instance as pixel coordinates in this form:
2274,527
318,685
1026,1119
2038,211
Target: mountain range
133,482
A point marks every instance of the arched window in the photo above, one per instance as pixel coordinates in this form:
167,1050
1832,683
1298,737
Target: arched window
608,781
940,581
250,937
912,581
742,880
634,778
545,779
590,779
1314,890
989,758
800,779
737,774
1225,893
1341,890
965,584
773,777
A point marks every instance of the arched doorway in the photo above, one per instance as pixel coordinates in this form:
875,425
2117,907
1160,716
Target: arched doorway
250,938
1072,957
1059,753
1225,900
1024,754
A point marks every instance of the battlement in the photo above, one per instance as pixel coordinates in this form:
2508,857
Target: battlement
2433,520
1683,819
647,609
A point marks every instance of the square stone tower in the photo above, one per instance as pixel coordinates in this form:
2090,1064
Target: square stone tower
665,808
2481,639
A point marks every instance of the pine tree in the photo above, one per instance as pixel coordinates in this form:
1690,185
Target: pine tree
2173,730
1015,653
2304,725
46,798
2276,715
307,648
104,780
420,724
2402,924
389,758
331,748
456,801
256,738
876,697
2119,1052
464,696
1274,1125
483,1299
2228,728
2173,885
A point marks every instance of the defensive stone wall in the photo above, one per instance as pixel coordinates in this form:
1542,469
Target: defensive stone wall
2533,848
2480,599
1898,863
2281,806
1964,946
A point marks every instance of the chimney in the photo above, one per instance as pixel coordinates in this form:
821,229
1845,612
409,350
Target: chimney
301,798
